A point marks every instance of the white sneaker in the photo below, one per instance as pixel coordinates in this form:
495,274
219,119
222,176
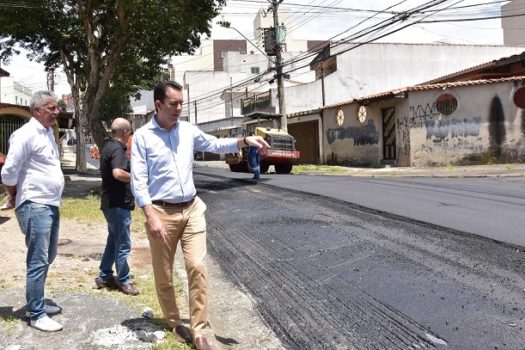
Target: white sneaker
46,324
49,309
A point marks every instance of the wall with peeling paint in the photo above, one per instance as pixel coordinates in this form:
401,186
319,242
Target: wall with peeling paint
486,126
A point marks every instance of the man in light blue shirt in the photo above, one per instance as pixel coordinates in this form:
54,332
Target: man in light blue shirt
162,183
34,183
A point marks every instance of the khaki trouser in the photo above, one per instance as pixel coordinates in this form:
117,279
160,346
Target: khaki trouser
189,226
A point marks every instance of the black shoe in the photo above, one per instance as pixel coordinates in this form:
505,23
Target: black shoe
183,334
110,283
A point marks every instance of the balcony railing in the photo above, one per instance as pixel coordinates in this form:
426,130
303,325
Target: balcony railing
258,103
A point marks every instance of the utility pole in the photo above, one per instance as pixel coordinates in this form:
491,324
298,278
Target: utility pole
231,101
189,102
279,41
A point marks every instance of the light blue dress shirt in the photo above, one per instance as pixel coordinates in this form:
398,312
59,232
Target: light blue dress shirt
162,160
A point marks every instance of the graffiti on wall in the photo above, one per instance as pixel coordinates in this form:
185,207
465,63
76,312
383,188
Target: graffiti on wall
364,135
522,113
440,129
496,125
403,135
419,114
453,146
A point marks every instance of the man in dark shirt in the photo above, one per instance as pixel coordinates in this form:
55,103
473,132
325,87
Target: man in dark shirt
116,203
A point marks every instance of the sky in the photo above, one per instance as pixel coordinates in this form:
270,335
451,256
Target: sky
329,19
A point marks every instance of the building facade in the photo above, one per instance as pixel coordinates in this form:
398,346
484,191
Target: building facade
458,123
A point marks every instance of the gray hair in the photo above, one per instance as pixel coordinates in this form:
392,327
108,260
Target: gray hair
40,98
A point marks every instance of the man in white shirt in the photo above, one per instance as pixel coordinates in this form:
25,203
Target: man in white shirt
34,183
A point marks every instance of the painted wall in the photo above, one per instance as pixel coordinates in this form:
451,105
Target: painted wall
486,126
351,143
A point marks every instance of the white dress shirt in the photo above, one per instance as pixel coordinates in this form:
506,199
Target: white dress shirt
33,165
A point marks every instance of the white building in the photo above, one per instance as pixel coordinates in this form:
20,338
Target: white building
512,23
13,92
351,71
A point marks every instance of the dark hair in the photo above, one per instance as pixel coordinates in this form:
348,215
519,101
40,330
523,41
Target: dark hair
160,90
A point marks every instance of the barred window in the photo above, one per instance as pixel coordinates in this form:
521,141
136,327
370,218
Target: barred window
446,104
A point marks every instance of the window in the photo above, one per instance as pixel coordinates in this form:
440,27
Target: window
519,97
446,104
361,114
255,70
340,117
16,100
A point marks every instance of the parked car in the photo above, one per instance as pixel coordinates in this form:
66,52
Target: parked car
2,161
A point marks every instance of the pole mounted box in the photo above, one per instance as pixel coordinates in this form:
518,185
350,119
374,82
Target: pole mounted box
270,45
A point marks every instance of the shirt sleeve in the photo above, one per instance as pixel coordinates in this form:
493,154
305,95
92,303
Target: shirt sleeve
139,171
208,143
19,152
119,160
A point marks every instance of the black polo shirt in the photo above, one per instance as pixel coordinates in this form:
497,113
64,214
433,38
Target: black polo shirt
115,193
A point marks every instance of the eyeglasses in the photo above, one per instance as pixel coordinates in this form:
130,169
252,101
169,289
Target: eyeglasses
51,109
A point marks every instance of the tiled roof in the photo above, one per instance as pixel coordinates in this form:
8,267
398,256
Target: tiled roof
393,93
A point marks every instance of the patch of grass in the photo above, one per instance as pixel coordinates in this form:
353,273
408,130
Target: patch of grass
3,283
508,166
87,211
488,159
171,342
450,167
82,210
326,169
9,322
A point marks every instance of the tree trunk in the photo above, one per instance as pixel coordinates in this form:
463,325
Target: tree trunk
81,166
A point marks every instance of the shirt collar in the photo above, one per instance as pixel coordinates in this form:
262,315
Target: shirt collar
156,124
38,125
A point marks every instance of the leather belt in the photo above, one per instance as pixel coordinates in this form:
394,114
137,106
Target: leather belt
177,205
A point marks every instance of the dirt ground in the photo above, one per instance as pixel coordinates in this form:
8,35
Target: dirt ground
234,322
80,248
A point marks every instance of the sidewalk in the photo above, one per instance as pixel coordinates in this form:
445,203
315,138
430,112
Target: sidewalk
494,170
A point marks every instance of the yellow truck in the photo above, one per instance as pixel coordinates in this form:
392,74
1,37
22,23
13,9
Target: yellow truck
282,154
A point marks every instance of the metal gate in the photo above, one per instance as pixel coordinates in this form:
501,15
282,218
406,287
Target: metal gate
8,124
389,133
306,141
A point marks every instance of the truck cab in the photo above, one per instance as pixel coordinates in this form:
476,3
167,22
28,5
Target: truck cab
281,154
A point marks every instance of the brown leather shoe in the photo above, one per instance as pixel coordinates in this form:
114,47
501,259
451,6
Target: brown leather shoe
201,343
183,334
128,289
110,283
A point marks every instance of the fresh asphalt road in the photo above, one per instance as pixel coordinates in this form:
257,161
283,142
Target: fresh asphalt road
489,207
328,274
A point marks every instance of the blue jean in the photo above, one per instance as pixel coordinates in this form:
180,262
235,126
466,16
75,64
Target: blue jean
118,245
39,223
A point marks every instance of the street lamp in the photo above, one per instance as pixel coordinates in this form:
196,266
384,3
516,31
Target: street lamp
226,24
278,70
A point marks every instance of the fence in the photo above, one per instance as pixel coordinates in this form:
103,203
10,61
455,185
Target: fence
8,124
